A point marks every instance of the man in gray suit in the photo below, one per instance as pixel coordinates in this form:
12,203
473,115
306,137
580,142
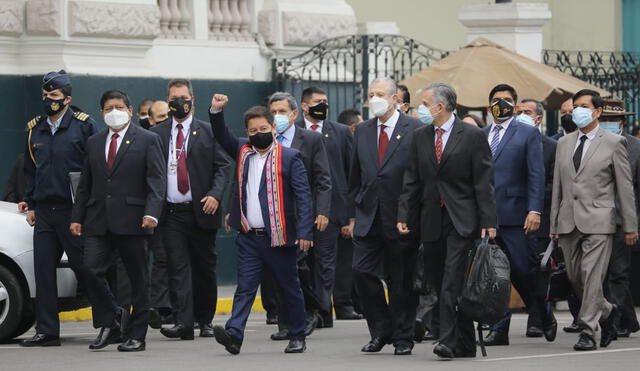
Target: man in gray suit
592,172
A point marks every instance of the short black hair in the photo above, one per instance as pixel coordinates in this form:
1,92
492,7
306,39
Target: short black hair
406,96
145,102
504,87
114,94
596,99
349,117
180,82
66,90
310,91
256,112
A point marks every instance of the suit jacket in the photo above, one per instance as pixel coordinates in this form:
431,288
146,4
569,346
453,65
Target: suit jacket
633,145
208,167
376,188
338,142
116,200
314,156
549,157
518,173
15,184
298,204
586,199
463,180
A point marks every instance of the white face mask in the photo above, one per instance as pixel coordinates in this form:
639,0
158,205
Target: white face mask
116,119
378,106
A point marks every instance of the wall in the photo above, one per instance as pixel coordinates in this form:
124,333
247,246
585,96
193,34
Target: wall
631,25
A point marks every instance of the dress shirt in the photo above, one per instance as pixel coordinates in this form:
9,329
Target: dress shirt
505,126
447,127
590,136
252,189
390,124
286,138
54,125
173,194
308,124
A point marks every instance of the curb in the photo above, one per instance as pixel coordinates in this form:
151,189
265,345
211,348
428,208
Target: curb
223,307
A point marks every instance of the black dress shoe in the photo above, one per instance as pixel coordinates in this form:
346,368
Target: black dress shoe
496,338
347,314
296,346
608,326
155,319
550,330
224,338
178,331
375,345
41,340
107,335
534,332
272,319
282,334
443,352
419,330
585,342
573,328
430,336
403,349
624,333
206,330
132,345
310,325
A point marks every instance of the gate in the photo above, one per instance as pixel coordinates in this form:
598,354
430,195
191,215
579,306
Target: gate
345,65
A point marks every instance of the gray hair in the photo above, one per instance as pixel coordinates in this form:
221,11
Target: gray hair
392,87
282,95
443,93
539,106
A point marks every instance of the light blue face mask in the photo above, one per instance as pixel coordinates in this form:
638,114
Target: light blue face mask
582,116
282,123
526,119
610,126
424,115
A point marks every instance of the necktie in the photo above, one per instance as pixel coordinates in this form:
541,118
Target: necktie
183,174
280,139
113,150
577,156
314,127
495,140
439,132
383,143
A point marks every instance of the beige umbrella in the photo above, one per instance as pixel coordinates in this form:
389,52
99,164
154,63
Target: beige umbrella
476,68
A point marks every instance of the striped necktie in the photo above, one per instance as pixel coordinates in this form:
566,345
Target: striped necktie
495,140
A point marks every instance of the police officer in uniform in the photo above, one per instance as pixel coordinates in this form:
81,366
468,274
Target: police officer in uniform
55,147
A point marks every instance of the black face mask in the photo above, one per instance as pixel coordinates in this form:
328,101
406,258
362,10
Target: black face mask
502,109
319,111
52,106
261,140
145,123
567,124
180,108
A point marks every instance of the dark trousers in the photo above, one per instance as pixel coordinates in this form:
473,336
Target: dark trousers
616,288
159,279
192,266
98,258
118,281
343,290
51,238
445,264
254,254
396,320
323,265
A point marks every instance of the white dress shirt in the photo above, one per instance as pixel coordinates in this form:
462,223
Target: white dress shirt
308,125
173,194
286,138
447,127
54,125
390,125
254,177
590,136
121,134
505,126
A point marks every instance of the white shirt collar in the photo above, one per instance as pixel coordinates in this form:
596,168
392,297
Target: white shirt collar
186,124
308,123
54,124
504,125
590,135
447,126
121,133
392,121
289,133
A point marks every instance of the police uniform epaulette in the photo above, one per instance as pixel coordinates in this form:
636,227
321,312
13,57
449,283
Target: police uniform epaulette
31,124
81,116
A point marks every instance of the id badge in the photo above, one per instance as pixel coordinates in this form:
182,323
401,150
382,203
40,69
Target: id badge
173,168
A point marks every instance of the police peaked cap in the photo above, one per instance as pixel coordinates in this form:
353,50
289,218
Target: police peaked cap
55,80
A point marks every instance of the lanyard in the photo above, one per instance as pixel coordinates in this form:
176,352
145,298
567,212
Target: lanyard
184,144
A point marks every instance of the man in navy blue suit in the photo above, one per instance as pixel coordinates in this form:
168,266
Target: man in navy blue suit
273,212
519,188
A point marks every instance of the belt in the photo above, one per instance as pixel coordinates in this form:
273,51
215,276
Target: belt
257,232
184,206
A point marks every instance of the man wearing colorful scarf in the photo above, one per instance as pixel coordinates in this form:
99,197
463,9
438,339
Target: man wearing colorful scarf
273,213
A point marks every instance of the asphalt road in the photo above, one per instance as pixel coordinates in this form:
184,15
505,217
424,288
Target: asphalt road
327,349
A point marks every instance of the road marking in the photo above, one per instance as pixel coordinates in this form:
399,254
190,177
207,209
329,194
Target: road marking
559,355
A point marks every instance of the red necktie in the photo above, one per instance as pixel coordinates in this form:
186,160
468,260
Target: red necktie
113,150
439,132
383,143
314,127
183,174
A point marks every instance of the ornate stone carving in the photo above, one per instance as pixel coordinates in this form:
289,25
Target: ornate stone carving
136,21
11,16
267,26
43,17
304,29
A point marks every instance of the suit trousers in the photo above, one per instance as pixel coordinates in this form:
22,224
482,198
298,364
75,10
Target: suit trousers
191,260
395,321
587,258
446,262
617,289
323,265
159,279
98,258
254,254
343,289
51,238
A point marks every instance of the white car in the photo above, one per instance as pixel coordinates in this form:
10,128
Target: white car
17,279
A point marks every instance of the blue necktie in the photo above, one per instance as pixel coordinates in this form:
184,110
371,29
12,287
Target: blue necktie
495,140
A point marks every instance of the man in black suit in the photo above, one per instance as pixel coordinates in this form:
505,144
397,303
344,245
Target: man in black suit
449,182
197,175
118,203
338,141
380,157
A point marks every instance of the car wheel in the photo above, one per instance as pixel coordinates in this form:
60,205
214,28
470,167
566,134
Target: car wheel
12,299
